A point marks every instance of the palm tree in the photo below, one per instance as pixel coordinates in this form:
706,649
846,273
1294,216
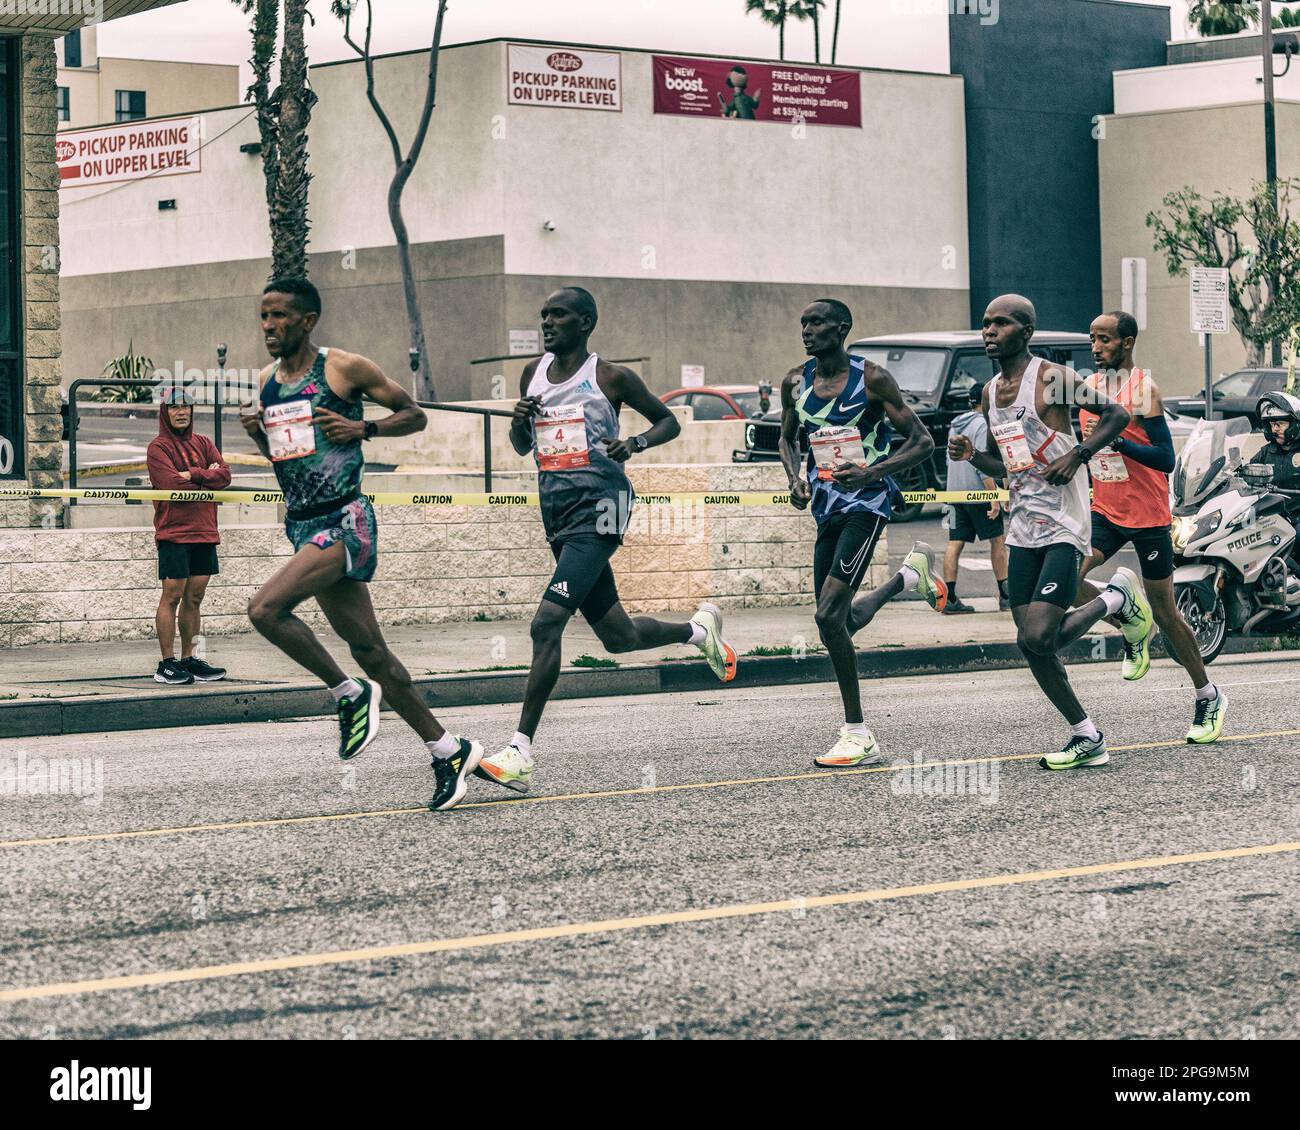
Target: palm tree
811,10
1212,18
1287,17
835,34
773,12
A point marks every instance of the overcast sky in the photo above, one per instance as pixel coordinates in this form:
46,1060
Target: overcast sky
900,34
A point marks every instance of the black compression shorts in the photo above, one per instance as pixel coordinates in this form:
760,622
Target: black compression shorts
845,543
1154,545
1049,575
583,581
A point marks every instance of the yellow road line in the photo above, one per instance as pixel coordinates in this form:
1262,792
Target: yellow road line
614,925
689,786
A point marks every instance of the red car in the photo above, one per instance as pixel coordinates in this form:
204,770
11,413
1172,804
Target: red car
722,402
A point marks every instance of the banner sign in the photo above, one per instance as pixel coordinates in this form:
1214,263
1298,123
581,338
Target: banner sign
760,92
129,151
563,76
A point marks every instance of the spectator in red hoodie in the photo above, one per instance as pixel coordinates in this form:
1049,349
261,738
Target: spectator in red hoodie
186,533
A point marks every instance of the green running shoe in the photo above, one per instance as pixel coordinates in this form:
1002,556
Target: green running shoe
1136,623
510,768
1078,752
720,654
1207,725
929,586
359,720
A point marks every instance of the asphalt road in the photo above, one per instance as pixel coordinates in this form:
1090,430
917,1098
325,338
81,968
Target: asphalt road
960,916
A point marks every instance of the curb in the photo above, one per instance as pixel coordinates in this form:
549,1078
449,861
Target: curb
217,705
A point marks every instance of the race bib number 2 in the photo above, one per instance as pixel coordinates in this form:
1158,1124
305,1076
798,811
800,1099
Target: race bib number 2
290,433
1010,438
561,435
833,447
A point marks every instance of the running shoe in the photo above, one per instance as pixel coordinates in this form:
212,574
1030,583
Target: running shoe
720,654
449,775
203,672
929,586
511,768
957,605
850,751
1207,724
359,720
1136,623
1078,752
171,672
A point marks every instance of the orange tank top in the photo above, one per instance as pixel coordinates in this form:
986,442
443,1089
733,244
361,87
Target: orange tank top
1127,492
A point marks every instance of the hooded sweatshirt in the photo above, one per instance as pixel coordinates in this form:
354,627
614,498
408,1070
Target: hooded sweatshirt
171,453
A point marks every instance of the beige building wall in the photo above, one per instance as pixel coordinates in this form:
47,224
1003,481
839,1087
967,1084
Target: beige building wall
170,88
1141,158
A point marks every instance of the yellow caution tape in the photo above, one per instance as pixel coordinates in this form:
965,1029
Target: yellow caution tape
434,498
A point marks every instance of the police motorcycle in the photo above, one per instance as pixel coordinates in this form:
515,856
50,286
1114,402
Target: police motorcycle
1235,569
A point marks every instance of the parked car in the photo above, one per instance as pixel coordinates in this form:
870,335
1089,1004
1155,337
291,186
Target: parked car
1235,394
934,372
721,402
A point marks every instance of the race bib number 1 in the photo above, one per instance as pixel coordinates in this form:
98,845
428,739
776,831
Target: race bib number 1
561,435
1010,438
290,434
833,447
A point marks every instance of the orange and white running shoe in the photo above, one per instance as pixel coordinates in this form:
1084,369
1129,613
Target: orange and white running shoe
850,751
720,654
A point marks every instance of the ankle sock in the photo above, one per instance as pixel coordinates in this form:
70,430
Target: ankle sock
698,635
523,743
911,578
445,746
1086,729
1113,599
349,688
1207,691
859,728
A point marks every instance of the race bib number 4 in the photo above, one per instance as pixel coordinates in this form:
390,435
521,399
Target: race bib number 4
1010,438
290,434
833,447
1108,466
561,436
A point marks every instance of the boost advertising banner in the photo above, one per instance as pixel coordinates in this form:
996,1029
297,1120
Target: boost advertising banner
562,76
759,92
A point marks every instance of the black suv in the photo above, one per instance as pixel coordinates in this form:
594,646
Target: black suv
934,372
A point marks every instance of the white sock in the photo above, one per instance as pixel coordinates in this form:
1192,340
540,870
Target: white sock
1207,691
859,728
1113,599
523,743
911,578
698,635
349,688
1086,729
445,746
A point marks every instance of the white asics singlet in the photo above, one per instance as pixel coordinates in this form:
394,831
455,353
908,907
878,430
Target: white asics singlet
1041,514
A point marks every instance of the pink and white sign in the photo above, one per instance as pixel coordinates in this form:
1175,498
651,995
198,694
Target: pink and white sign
129,151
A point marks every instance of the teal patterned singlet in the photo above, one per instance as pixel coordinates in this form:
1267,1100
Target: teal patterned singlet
332,471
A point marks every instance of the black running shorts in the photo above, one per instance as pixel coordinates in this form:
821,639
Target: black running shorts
845,543
971,522
179,560
583,581
1154,545
1049,575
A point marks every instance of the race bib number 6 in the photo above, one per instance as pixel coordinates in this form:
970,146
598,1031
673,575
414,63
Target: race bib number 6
561,436
833,447
290,434
1010,438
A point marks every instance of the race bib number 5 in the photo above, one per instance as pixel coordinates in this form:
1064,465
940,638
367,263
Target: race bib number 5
1108,466
833,447
290,434
1010,438
561,436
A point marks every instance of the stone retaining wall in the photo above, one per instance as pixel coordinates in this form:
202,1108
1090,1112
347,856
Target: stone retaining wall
436,563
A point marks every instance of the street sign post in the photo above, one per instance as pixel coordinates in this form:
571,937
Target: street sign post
1208,299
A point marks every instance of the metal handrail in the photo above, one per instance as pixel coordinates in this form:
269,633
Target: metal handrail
487,414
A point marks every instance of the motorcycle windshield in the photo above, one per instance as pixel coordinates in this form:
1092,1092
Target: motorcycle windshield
1212,452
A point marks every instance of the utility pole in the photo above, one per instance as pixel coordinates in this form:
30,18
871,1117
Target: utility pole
1270,147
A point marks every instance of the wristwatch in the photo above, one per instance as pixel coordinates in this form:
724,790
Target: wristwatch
1084,453
369,429
639,443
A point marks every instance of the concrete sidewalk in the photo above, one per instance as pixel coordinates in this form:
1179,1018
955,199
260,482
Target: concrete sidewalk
65,670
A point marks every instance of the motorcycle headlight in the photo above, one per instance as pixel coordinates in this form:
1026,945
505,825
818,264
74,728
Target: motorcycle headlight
1206,525
1182,532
